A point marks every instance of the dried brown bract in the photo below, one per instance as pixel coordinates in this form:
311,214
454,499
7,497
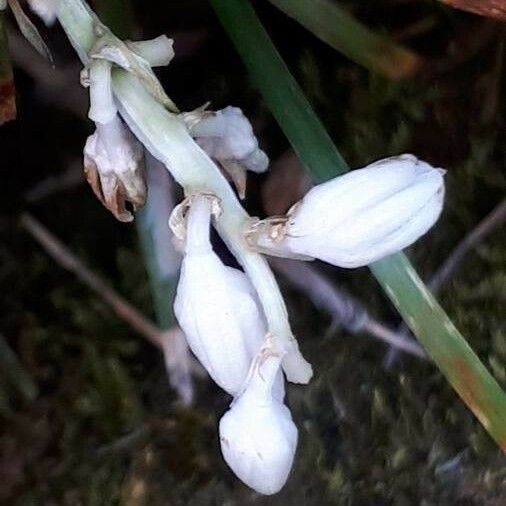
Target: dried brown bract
113,166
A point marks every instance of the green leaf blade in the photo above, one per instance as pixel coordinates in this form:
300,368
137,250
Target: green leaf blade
443,342
340,30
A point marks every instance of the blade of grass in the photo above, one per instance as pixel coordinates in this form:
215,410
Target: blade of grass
7,90
340,30
442,341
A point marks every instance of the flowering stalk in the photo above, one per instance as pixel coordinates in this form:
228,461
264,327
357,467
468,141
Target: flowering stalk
167,138
215,305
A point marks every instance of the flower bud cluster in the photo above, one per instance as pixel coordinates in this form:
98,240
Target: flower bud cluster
217,308
350,221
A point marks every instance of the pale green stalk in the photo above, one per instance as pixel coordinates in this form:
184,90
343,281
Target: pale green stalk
167,138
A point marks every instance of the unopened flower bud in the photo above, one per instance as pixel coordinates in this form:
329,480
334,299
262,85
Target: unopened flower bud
113,167
257,435
215,307
227,136
356,219
157,52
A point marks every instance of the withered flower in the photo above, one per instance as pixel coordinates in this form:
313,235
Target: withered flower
113,166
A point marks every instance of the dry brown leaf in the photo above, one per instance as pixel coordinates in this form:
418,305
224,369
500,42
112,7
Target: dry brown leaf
490,8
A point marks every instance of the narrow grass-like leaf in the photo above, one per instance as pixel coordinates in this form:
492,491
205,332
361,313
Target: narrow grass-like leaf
29,30
415,303
340,30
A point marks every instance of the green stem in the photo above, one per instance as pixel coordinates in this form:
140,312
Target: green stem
340,30
163,289
281,92
168,140
415,303
161,259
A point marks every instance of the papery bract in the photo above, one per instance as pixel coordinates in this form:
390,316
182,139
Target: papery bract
113,167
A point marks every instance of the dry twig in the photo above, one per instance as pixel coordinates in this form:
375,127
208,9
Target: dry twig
444,273
472,240
64,257
342,307
179,363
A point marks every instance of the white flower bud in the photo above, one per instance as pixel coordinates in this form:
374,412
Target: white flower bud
113,167
227,136
216,306
356,219
157,52
257,435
